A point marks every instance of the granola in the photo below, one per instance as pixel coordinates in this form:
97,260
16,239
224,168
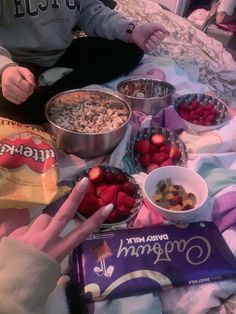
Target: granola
94,114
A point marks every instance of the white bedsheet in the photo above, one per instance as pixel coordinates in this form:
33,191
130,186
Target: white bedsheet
203,57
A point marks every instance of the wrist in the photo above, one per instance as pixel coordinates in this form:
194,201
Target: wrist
8,65
129,31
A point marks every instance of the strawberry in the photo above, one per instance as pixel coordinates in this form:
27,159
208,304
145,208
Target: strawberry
120,177
100,188
110,194
123,210
144,160
109,177
165,149
129,188
119,187
96,174
156,158
113,217
168,162
125,199
91,187
164,155
101,203
142,146
152,149
157,139
174,153
151,167
89,205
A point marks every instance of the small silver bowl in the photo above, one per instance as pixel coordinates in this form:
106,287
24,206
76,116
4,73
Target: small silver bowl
171,138
221,108
85,144
138,196
147,95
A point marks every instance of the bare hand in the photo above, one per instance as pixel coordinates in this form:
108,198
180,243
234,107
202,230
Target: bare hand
44,233
17,84
148,36
12,218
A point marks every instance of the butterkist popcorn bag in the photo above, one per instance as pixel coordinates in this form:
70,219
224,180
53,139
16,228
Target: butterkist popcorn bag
28,167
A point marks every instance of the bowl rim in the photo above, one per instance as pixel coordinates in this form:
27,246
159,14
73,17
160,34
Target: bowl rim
148,80
138,199
108,93
170,210
201,125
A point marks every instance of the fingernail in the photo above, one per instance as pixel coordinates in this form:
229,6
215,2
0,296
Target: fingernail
107,210
83,185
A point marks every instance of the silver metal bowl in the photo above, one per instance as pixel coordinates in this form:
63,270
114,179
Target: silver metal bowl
221,118
147,95
86,144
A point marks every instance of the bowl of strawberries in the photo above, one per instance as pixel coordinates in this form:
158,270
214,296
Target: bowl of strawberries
156,147
110,185
200,112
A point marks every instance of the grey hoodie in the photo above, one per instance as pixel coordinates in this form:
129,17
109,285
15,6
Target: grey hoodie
39,31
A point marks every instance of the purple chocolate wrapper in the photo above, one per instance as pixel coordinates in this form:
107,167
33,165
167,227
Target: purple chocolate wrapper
128,262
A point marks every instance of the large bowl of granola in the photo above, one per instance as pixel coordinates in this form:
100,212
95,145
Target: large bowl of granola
88,122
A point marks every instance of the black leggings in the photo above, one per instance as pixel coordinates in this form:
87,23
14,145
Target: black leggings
94,60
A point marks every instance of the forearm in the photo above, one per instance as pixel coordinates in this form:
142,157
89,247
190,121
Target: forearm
5,59
27,277
98,20
5,56
5,62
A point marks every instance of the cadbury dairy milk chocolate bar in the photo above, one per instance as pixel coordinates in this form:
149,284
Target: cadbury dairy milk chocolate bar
128,262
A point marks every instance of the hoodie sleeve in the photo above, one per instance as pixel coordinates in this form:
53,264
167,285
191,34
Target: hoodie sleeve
5,57
27,277
97,20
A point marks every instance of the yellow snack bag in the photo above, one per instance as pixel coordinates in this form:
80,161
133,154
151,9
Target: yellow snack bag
28,167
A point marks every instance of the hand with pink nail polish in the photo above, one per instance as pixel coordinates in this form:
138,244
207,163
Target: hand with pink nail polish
44,233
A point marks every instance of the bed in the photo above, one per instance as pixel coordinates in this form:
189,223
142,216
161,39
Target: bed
193,62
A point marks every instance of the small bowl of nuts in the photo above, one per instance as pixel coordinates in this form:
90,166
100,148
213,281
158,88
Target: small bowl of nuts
147,95
88,122
178,194
201,113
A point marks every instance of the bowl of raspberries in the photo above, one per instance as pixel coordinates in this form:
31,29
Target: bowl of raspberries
200,112
110,185
156,147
